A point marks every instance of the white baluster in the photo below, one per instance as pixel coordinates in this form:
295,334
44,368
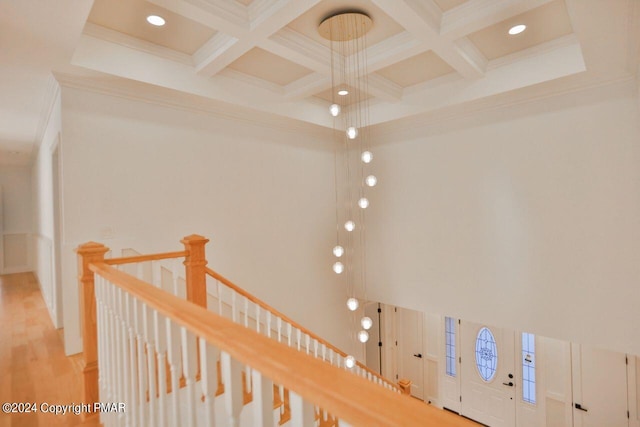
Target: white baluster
100,319
131,401
299,337
307,341
257,318
262,400
112,350
302,412
122,355
324,352
246,312
315,348
175,274
161,345
269,324
156,274
172,331
142,372
209,379
151,363
234,314
189,369
289,334
219,288
279,326
233,397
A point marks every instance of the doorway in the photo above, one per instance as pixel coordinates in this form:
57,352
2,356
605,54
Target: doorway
487,371
599,387
410,345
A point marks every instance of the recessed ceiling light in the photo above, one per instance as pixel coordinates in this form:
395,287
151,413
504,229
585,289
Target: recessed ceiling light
343,92
517,29
156,20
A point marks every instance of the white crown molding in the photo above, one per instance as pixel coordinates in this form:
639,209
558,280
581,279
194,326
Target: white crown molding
535,51
470,52
253,81
51,94
208,18
306,86
383,88
500,107
228,10
142,92
220,42
429,85
107,34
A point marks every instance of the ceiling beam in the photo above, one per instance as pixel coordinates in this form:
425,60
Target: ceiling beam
420,22
300,49
274,15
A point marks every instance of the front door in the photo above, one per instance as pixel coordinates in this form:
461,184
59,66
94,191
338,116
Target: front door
410,346
599,388
487,375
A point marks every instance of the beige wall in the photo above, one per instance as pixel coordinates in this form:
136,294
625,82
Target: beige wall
529,221
143,176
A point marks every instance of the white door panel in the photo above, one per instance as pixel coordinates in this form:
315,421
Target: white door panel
599,388
411,349
489,400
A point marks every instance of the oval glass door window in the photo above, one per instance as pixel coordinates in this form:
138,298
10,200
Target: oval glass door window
486,354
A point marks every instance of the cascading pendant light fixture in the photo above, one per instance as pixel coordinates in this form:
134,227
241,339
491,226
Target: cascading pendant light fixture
346,31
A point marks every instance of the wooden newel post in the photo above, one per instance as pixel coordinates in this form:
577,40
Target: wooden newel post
405,386
89,253
195,265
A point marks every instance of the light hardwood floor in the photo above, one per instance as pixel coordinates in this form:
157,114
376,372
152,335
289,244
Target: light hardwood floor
33,366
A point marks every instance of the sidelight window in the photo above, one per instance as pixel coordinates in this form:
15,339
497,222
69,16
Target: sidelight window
529,368
450,344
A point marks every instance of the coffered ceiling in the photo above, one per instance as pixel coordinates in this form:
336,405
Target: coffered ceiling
267,56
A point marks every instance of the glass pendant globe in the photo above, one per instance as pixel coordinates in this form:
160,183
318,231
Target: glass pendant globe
338,267
366,323
352,132
338,251
349,225
350,361
352,304
367,157
371,181
363,336
363,203
334,109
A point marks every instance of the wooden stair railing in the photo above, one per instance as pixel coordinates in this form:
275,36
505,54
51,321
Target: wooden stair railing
92,254
353,399
240,291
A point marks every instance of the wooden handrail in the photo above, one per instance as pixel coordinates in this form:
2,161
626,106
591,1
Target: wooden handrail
304,330
349,397
143,258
